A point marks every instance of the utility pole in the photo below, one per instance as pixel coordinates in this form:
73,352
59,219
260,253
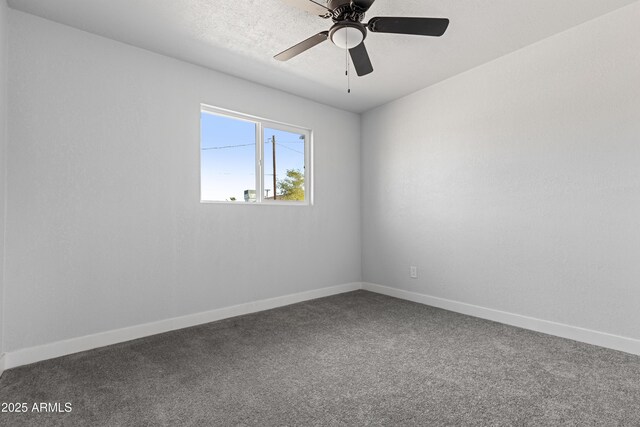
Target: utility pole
273,143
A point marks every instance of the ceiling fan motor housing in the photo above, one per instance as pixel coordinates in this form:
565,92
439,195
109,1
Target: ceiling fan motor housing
344,11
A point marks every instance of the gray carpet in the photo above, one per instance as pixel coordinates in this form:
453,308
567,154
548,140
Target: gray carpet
352,359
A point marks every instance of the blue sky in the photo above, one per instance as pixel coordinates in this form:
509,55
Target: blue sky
228,156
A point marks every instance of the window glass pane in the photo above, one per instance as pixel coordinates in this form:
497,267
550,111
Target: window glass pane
228,159
284,152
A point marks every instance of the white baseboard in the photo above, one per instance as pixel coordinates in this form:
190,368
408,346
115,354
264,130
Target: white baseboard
29,355
602,339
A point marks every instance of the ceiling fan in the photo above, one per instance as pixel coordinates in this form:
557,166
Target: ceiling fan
348,31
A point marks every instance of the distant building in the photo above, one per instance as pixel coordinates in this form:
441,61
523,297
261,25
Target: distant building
249,195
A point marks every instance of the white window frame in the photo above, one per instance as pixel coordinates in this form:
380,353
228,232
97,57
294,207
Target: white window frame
261,124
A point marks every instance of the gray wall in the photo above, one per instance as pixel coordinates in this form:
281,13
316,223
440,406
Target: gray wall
104,225
516,186
3,155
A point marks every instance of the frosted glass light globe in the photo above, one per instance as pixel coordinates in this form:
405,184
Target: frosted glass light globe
347,37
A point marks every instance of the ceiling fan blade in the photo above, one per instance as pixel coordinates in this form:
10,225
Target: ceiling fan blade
363,5
302,46
418,26
312,6
361,60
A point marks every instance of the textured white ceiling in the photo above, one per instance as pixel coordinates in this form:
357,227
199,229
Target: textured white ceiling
240,38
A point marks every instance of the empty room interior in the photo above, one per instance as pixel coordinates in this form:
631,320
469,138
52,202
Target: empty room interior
330,212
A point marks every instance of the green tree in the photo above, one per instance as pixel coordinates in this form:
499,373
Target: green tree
292,187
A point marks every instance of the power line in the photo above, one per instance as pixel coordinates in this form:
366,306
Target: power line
291,149
226,146
248,145
284,146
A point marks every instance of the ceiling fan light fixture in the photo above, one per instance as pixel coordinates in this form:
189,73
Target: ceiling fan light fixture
346,36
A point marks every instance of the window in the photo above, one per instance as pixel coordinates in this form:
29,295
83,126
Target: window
249,160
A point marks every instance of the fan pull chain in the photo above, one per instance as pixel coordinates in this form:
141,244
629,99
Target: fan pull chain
348,75
346,60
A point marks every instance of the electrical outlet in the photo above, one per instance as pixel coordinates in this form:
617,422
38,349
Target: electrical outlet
413,272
